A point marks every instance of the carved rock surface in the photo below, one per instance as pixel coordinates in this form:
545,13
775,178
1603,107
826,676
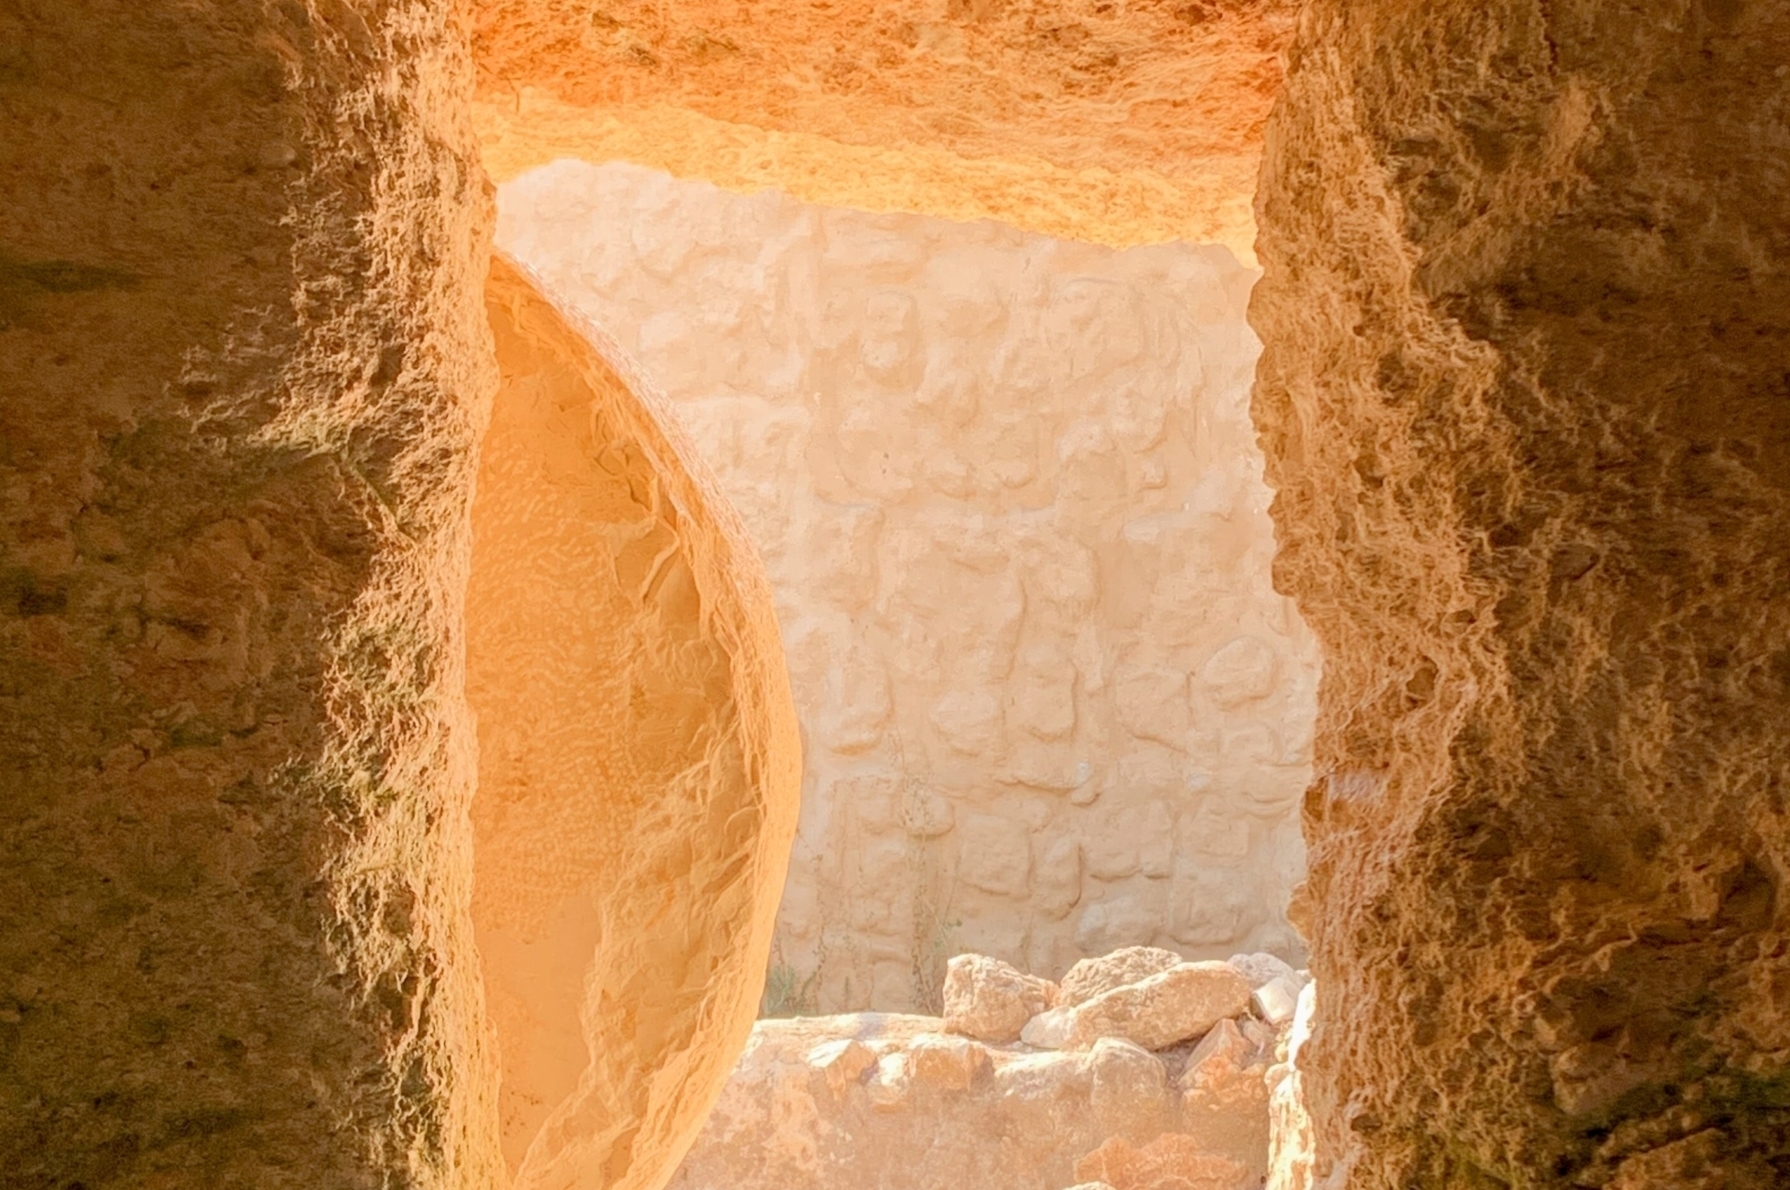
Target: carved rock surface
1523,400
989,1000
1116,124
1004,488
243,371
638,759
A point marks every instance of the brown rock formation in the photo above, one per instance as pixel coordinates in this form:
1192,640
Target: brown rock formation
639,761
1121,124
1524,400
244,370
247,369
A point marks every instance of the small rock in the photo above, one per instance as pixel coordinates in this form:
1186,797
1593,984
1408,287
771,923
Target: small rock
842,1062
1276,1000
1259,968
1090,977
888,1087
1181,1003
1048,1030
947,1063
989,1000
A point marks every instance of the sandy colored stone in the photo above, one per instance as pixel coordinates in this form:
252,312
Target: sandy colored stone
639,762
1171,1161
1259,969
926,1109
1226,1095
1129,964
1119,125
990,1000
1175,1005
1275,1000
243,372
1523,401
990,475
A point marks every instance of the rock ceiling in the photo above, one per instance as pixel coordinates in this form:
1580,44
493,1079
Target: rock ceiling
1116,122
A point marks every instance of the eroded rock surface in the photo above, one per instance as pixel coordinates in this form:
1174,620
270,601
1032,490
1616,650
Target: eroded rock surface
1118,124
1005,488
638,760
1523,400
243,370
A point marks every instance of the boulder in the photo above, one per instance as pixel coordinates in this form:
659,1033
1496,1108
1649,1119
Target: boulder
989,1000
1178,1004
1090,977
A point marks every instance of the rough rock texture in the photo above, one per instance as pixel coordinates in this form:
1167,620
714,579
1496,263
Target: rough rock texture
1007,495
1172,1006
639,761
1524,401
245,367
989,1000
823,1103
1090,977
1119,124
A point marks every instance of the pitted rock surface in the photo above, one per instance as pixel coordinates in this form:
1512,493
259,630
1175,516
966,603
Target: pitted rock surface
1523,401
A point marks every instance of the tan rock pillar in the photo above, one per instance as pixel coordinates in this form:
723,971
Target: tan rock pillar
1524,398
243,367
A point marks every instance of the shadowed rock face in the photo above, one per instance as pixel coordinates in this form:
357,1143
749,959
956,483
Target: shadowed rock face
245,368
1527,328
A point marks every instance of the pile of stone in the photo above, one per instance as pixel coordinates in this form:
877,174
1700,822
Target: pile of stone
1137,1071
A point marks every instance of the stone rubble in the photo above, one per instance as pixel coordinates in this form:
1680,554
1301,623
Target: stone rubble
990,1000
1159,1077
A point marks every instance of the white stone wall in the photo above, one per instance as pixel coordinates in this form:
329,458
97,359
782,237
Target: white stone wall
1009,495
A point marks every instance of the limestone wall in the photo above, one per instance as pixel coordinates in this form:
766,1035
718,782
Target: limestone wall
1008,494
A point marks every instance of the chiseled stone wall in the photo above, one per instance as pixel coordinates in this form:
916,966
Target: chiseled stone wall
1010,501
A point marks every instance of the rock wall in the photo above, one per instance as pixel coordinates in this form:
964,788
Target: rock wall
245,368
1524,403
1121,124
1009,499
639,762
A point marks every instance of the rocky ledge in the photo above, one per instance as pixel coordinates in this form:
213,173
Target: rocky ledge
1138,1071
